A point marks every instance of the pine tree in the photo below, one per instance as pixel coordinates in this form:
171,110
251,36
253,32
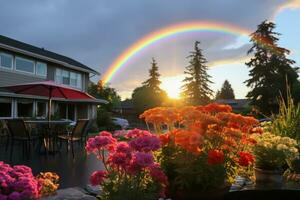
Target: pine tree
153,82
226,91
196,84
149,95
271,71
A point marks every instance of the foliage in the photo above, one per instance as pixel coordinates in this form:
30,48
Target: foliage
287,121
17,182
101,91
196,89
272,151
203,145
149,95
104,119
130,170
226,91
270,69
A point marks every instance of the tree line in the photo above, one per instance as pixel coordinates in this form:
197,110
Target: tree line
271,75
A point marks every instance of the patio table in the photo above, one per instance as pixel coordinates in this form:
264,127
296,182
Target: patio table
47,128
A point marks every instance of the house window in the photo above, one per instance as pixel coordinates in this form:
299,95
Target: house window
6,60
41,69
25,108
6,107
41,109
65,77
24,65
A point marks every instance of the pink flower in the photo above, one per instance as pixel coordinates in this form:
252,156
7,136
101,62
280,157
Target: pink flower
123,147
103,141
137,133
157,174
142,159
3,197
119,159
14,196
145,143
98,177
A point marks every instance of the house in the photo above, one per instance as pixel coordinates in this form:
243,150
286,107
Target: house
236,104
24,63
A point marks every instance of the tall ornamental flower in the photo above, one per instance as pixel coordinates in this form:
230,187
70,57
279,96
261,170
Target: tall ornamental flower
102,141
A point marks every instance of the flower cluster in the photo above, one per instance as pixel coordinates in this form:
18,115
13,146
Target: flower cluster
17,182
213,134
272,151
49,182
127,163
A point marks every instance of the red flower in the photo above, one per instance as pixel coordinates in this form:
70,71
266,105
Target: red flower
98,177
245,159
164,139
215,157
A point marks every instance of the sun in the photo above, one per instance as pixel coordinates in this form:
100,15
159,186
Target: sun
172,85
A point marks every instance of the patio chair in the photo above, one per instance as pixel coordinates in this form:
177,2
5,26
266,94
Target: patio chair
76,135
86,131
4,134
19,133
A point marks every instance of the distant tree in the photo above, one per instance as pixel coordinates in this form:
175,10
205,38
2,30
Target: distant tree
153,82
196,84
149,95
226,91
271,71
102,91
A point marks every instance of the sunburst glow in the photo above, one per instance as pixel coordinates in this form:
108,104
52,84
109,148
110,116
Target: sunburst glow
172,86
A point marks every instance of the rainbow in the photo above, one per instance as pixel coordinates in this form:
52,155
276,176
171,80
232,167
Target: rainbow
169,31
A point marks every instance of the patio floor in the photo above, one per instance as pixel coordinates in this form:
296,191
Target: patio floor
72,172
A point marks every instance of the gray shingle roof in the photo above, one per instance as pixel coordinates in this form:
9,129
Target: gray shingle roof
42,52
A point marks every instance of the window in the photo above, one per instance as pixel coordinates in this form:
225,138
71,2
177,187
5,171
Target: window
6,60
25,108
24,65
41,69
6,107
65,77
41,108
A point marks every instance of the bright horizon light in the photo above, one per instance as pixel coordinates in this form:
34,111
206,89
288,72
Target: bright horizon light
172,85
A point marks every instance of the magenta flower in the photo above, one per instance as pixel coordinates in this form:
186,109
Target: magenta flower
143,159
119,159
14,196
157,174
98,177
103,141
123,147
145,143
137,133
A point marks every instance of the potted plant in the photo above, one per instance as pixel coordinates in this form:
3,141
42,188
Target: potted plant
204,148
130,170
272,152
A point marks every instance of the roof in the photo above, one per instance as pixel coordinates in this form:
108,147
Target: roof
41,53
234,103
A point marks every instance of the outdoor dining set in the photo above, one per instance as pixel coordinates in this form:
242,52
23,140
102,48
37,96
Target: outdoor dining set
45,137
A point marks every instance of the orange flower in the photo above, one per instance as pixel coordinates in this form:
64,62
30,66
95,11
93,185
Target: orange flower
215,108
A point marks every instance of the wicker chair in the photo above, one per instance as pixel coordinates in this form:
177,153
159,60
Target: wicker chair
77,134
19,133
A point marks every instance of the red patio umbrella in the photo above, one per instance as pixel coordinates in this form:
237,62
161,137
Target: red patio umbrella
51,90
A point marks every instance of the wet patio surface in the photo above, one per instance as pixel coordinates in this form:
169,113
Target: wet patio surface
72,172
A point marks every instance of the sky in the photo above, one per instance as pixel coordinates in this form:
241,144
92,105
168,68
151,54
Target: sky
96,32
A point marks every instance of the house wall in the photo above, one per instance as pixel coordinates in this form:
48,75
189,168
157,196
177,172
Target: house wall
12,77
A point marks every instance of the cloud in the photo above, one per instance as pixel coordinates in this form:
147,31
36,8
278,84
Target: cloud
96,32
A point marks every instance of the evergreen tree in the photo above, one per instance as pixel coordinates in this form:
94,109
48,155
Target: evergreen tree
153,82
226,91
149,95
271,71
196,84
